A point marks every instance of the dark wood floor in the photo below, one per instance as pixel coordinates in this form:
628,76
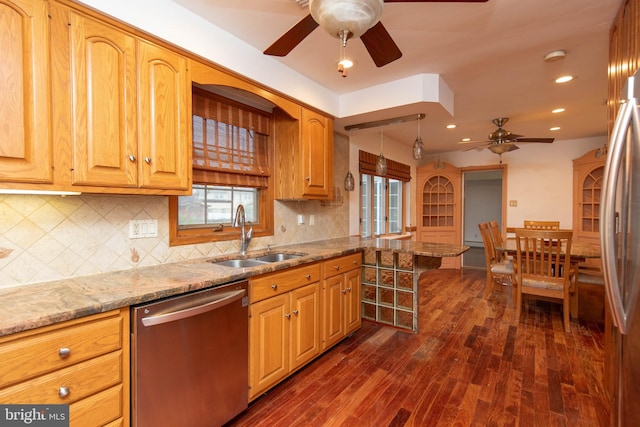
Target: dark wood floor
470,364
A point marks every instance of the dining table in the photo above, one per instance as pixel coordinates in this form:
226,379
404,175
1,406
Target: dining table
580,252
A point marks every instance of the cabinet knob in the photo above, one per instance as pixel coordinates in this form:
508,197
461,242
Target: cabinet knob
274,286
308,179
336,267
296,312
64,391
132,158
355,261
344,291
348,289
287,315
308,276
64,352
147,160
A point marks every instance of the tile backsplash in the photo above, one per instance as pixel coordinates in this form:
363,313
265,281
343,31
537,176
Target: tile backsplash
45,238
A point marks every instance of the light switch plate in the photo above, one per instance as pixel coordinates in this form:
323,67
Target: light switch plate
142,228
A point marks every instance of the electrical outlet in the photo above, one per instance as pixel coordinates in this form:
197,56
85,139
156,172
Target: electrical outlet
300,219
141,228
312,219
513,203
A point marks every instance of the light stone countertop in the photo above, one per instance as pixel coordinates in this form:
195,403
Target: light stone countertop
41,304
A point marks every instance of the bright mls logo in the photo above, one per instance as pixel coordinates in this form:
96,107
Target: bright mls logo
34,415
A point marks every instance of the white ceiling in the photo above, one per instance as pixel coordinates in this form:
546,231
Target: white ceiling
490,55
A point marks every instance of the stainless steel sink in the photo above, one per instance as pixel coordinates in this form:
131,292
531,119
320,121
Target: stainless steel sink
239,263
277,257
255,260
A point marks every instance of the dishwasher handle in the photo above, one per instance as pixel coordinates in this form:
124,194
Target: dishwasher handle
228,298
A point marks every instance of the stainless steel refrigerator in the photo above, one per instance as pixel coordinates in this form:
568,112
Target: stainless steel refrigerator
620,244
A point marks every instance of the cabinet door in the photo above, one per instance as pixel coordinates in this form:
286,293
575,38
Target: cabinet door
317,154
104,104
268,343
333,310
305,324
352,281
25,139
164,107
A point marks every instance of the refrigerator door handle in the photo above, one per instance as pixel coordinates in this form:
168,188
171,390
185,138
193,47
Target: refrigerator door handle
627,116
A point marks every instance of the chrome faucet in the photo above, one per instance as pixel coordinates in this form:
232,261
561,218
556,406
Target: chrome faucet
245,236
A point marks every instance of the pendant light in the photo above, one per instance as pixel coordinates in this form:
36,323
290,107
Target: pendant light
381,163
418,146
349,181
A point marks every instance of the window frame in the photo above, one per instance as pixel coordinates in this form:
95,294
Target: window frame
371,198
214,233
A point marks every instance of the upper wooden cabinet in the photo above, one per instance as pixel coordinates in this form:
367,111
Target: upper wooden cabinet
165,118
303,156
130,109
117,106
25,139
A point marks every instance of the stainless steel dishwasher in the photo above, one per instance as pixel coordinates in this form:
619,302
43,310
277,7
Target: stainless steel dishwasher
190,358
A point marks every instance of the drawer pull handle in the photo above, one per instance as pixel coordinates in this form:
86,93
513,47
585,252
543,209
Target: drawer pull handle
274,286
64,352
337,267
308,276
296,312
64,392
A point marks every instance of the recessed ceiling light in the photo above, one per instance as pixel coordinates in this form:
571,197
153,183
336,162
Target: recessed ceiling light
555,55
564,79
451,126
558,110
554,128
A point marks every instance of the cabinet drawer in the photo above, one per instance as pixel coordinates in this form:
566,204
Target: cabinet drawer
99,409
81,380
83,341
273,284
341,265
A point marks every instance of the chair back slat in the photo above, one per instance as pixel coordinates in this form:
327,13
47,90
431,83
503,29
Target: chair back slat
542,225
543,254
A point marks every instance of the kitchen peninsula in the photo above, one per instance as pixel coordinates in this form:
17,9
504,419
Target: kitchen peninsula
390,283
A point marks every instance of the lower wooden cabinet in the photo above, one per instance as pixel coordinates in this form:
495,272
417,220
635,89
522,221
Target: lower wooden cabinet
341,290
83,362
298,313
285,334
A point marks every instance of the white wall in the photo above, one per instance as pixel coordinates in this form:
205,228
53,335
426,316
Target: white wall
539,177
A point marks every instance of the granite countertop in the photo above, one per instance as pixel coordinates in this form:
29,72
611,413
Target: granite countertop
40,304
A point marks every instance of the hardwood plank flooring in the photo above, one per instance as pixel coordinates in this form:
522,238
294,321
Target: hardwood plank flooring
470,365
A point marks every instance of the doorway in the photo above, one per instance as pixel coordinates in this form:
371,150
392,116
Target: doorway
482,202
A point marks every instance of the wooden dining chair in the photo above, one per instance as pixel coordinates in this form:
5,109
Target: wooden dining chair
496,236
542,225
497,271
543,267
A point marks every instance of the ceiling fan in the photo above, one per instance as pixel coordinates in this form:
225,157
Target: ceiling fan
346,19
502,141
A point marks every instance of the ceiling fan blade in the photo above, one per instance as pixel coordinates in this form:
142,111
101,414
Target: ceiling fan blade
545,140
380,45
293,37
476,147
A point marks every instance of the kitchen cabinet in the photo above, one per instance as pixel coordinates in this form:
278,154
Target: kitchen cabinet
284,325
25,140
130,109
341,290
439,208
588,172
83,362
89,104
303,156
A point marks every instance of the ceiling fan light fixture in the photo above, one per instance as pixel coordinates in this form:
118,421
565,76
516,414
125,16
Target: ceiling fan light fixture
501,148
354,16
